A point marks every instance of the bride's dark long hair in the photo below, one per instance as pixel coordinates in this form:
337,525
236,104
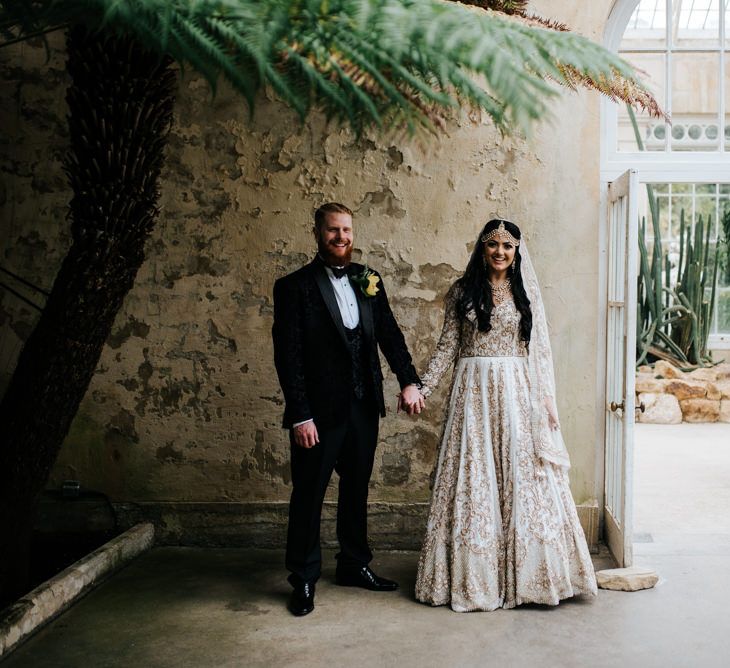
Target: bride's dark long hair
476,290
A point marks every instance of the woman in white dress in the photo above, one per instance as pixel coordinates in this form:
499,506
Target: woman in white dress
503,529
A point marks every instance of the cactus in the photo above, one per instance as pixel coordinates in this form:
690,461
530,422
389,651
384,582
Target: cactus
673,322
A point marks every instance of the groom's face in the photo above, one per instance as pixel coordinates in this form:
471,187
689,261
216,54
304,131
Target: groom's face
334,239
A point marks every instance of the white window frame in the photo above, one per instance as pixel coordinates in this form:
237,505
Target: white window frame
661,166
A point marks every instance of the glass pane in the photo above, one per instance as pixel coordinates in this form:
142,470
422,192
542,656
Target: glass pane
696,24
706,207
661,210
645,208
722,315
647,27
681,209
706,188
726,74
652,131
695,101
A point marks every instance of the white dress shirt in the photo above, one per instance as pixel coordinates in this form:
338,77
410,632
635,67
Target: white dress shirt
346,299
347,303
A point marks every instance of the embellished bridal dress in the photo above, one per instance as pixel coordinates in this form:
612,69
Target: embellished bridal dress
503,529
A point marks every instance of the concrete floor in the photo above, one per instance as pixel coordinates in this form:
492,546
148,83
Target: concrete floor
184,607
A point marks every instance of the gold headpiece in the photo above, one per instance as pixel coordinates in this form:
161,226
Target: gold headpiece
500,232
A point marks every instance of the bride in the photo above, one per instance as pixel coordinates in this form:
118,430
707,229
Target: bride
502,528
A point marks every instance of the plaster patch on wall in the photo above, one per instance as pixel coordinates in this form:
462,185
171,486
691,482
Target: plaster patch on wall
264,460
132,327
384,201
168,454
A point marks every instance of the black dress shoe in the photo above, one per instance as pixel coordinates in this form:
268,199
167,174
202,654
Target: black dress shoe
365,578
301,601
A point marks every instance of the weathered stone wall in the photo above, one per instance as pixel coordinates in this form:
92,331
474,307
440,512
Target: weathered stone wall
185,404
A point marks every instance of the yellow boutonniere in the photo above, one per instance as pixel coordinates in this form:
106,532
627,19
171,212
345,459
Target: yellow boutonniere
372,289
368,281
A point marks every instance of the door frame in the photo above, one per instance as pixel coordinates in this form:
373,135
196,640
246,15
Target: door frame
625,555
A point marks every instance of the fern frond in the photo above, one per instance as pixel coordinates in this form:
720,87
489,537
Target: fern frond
363,61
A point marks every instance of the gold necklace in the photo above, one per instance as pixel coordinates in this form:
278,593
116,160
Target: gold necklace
501,292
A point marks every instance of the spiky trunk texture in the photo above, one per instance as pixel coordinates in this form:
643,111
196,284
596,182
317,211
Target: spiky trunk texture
120,110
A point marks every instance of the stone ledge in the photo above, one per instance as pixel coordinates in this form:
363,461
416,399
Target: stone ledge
392,526
27,615
670,395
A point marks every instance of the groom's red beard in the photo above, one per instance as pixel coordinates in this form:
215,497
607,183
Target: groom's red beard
334,256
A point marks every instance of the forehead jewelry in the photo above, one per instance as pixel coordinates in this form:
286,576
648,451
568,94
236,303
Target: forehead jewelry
500,232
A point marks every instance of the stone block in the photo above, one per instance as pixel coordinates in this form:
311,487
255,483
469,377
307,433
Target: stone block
700,410
709,373
722,371
686,389
667,370
724,387
724,410
713,391
659,408
646,383
627,579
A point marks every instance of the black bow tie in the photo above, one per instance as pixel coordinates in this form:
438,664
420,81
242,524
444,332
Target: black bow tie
339,272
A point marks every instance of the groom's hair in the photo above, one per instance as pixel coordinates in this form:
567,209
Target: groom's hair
320,214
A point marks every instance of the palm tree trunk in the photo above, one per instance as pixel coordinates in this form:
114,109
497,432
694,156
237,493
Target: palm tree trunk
120,111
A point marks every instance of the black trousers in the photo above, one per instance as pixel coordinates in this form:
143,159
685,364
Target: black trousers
349,449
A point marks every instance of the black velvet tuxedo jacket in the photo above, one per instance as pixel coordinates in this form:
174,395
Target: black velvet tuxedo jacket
311,351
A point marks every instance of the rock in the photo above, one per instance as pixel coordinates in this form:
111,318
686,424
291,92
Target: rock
700,410
724,387
703,374
713,391
686,389
667,370
725,410
627,579
645,383
659,408
722,371
645,368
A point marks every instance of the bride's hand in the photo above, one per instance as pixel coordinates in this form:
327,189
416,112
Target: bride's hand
552,414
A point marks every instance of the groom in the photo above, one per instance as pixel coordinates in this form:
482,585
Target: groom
330,317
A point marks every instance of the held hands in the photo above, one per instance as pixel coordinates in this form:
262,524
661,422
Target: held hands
411,400
305,435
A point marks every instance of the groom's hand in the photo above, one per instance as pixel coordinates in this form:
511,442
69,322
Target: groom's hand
411,400
305,435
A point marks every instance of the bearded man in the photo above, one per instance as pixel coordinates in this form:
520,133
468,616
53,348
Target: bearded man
330,317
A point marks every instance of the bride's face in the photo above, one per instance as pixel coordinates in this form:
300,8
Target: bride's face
499,254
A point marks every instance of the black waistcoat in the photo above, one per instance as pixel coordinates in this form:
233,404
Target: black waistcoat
358,352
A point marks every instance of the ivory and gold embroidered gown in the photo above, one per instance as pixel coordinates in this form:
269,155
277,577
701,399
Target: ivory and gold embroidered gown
503,528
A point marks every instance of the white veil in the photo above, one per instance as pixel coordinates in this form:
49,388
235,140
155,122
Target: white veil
548,442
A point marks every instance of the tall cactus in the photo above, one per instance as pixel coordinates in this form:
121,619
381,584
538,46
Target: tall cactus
696,275
674,321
